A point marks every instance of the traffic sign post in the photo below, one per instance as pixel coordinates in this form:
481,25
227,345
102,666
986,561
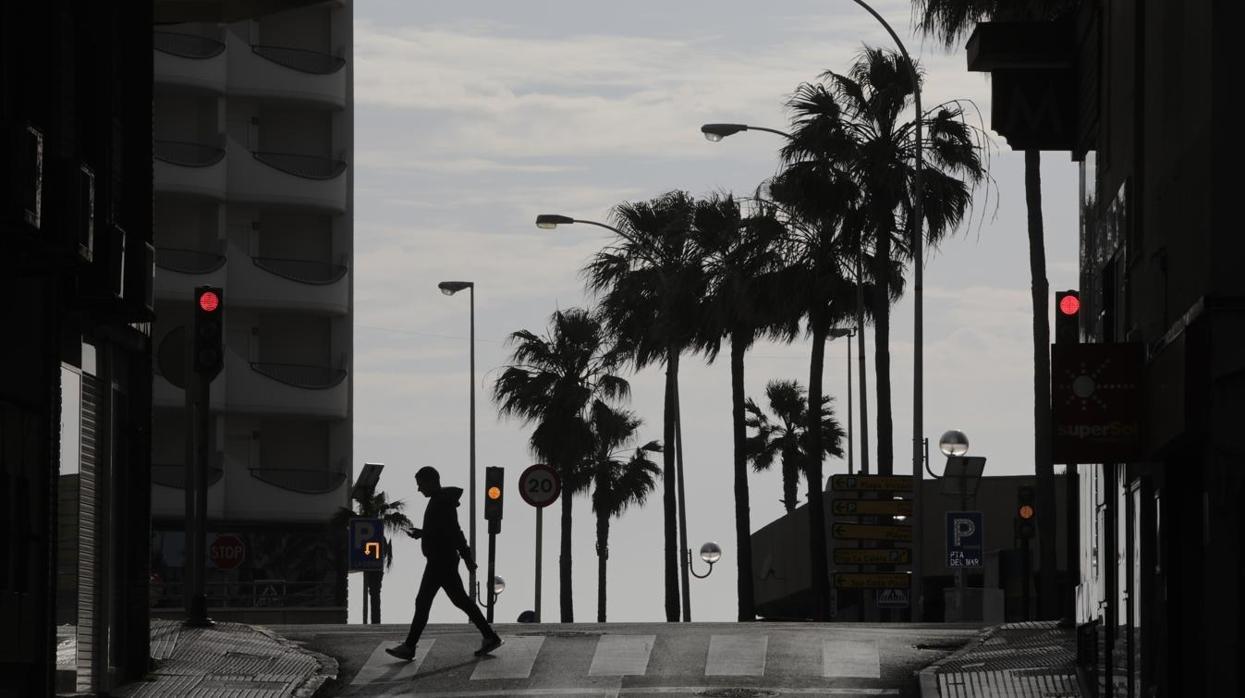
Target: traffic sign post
366,544
965,537
539,486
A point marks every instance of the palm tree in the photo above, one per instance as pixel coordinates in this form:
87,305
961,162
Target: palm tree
550,382
650,283
787,438
741,257
616,484
856,121
950,20
375,505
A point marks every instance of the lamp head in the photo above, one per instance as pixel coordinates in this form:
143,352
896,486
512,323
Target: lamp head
549,221
953,443
710,552
499,584
449,288
716,132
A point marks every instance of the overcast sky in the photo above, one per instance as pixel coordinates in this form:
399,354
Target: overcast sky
472,117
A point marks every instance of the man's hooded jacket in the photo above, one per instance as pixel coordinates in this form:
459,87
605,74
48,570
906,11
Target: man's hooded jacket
442,539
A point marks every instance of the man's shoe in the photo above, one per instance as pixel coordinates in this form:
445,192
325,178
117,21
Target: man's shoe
489,644
402,651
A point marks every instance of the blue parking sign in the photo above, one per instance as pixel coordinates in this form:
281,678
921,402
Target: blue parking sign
365,540
965,537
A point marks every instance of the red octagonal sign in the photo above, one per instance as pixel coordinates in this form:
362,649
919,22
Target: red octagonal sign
227,552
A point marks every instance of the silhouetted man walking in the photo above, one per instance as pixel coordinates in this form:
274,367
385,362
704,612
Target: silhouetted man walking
442,543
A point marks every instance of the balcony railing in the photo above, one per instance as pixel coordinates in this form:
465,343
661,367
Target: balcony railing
300,375
175,475
306,166
186,45
302,60
187,154
188,261
302,480
302,270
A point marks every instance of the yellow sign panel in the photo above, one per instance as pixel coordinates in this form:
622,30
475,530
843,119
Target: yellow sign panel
872,556
842,531
879,507
871,483
872,580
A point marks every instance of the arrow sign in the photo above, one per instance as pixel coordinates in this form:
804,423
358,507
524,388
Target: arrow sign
878,507
871,580
867,532
872,556
871,483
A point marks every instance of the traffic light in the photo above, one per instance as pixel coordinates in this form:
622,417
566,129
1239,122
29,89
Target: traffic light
209,330
1067,317
494,480
1026,513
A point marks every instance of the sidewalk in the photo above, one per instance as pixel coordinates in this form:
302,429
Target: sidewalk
228,659
1017,660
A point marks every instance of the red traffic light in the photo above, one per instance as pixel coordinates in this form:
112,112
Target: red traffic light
209,301
1070,304
1025,512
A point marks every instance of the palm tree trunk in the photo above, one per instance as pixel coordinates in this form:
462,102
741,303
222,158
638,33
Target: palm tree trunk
565,597
743,523
603,555
790,480
816,507
1043,468
862,379
882,358
668,491
374,593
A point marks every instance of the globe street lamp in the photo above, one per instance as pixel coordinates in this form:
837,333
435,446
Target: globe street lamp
709,552
449,288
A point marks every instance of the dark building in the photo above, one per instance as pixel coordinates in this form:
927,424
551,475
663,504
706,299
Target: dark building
1140,95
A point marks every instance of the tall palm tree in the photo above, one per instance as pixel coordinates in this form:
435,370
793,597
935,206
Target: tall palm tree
950,20
550,382
616,483
375,505
741,258
650,283
786,438
857,119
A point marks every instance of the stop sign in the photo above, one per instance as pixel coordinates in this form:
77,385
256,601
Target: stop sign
227,552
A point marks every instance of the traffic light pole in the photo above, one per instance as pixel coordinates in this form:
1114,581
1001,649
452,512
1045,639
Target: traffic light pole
196,484
492,558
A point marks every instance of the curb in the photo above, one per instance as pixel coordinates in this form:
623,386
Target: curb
927,678
327,667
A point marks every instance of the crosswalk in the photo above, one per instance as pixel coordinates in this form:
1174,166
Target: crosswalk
578,665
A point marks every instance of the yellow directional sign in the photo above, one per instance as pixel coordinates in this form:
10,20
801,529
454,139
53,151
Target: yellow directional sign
871,483
842,531
872,556
871,580
880,507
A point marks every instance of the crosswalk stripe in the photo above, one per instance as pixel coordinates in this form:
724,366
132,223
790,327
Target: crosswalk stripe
843,658
382,668
651,690
622,655
736,655
513,660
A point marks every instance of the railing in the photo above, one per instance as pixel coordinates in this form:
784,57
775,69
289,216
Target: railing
187,154
301,480
301,375
302,60
305,166
188,261
186,45
259,593
301,270
175,475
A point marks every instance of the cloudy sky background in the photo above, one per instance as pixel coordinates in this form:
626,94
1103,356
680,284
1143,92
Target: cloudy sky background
472,117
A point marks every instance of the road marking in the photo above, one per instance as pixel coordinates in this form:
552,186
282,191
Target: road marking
622,655
736,655
381,668
513,660
650,690
843,658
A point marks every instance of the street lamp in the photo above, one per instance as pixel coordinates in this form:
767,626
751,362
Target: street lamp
716,132
709,552
449,288
953,443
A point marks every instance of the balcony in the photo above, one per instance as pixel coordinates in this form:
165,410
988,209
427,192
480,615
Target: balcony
285,494
178,271
269,282
168,494
193,169
286,389
278,72
287,179
189,61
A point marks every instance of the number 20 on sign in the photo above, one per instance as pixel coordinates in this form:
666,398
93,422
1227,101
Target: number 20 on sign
539,485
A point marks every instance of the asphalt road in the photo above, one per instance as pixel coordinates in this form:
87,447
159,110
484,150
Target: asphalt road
726,660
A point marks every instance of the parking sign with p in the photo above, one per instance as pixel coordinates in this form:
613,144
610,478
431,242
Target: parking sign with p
964,539
366,543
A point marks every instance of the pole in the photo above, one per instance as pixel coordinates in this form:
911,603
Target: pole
471,478
860,372
1073,554
850,469
540,540
492,556
196,499
678,444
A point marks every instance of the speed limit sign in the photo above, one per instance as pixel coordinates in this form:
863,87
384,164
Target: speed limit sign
539,485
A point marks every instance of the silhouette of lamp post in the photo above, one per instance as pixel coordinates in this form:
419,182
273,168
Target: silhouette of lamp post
449,288
709,552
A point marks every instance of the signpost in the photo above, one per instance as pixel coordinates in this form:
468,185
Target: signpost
872,580
872,507
366,543
539,486
227,552
892,598
871,483
964,539
872,556
842,531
